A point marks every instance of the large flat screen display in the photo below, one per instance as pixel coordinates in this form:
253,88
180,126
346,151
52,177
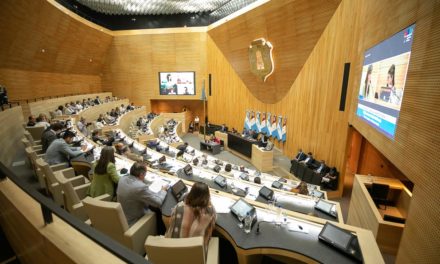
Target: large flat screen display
177,83
383,81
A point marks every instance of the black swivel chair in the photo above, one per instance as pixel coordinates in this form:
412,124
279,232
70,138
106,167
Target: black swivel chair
294,168
379,193
308,175
300,171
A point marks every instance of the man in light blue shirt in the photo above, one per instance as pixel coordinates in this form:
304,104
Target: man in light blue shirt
59,150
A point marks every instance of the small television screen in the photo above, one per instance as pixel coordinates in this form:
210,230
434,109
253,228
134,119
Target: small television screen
177,83
383,80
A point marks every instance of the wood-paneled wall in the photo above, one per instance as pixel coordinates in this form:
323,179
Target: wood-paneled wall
44,52
311,105
134,62
415,149
22,85
28,27
292,26
194,107
11,133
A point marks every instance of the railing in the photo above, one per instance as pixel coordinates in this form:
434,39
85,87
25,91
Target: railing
35,99
10,105
48,207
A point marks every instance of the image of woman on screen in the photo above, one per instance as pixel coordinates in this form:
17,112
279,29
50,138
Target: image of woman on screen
395,94
170,86
368,90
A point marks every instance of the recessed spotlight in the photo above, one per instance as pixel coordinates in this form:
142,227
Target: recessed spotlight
43,50
133,19
91,60
75,6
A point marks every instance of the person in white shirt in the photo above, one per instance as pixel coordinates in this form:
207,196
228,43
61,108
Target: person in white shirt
42,121
196,123
82,126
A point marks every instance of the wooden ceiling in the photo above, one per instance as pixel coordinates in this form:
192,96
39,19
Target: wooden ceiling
36,36
292,26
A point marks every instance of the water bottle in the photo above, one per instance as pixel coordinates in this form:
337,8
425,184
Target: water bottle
247,223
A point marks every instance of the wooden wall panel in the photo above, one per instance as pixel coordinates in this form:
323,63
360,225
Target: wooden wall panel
292,26
371,161
195,107
30,26
22,85
134,62
415,149
312,103
11,133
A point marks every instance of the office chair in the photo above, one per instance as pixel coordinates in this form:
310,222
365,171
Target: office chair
161,250
109,218
379,193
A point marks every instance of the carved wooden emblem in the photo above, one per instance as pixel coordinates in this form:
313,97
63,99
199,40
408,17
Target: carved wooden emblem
260,58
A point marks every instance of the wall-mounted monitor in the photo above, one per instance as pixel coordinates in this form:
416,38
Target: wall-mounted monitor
177,83
383,80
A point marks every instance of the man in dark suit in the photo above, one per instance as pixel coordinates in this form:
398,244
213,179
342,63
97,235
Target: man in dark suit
224,128
309,160
300,156
323,168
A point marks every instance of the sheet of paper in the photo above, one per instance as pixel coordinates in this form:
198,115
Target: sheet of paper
222,204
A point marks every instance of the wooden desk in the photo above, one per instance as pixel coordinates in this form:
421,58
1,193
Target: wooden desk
364,213
262,159
222,136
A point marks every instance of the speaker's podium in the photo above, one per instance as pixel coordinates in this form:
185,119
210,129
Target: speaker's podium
262,159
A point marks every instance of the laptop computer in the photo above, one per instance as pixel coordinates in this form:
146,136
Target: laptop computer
342,240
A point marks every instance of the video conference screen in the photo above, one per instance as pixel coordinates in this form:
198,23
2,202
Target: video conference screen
177,83
383,81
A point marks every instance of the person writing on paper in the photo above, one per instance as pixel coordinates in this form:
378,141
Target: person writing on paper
395,94
195,216
134,195
105,176
59,150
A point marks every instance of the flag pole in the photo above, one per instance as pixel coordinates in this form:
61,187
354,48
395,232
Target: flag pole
204,110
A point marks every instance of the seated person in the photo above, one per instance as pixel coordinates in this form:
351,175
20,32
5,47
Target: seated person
135,196
330,180
300,156
301,188
59,111
42,121
253,134
179,156
308,160
214,139
191,127
31,121
228,170
243,169
234,131
59,150
50,134
105,176
195,161
263,141
153,143
82,126
100,123
140,122
125,151
195,216
322,169
224,128
107,140
182,147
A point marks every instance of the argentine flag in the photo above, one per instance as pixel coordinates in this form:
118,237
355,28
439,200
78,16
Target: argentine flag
246,120
268,128
263,128
284,130
257,123
280,128
273,127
